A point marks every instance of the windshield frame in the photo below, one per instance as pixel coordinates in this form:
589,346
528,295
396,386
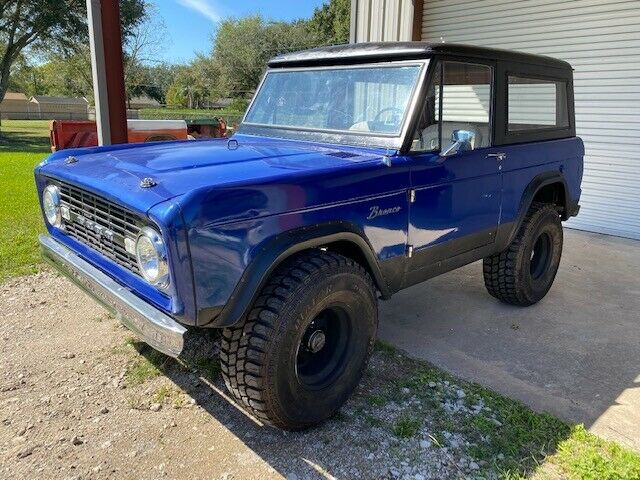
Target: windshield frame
351,137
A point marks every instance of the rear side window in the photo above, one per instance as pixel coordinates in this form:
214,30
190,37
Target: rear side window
535,104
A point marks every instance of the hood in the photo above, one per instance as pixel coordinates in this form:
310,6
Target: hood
177,168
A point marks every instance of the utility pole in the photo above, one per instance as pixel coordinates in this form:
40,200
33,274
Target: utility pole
105,39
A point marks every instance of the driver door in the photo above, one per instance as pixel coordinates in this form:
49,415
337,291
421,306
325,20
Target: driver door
456,196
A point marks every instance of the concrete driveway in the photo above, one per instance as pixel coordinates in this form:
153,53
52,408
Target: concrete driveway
576,354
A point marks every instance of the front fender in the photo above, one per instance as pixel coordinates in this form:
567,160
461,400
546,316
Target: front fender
231,261
280,247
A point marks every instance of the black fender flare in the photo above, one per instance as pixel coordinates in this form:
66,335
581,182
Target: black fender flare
281,247
538,182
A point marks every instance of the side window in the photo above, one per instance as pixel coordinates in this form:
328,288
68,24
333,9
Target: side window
465,108
466,103
536,104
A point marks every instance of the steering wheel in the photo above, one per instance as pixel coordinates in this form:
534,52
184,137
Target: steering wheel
397,110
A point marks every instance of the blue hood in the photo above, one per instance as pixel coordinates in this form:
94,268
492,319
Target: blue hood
187,166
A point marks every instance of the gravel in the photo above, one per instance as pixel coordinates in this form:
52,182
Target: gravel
69,408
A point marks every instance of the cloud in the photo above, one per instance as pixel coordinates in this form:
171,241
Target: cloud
203,7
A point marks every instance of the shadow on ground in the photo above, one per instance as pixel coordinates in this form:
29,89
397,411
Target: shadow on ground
23,141
406,420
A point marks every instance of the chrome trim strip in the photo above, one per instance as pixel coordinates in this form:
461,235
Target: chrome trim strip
147,322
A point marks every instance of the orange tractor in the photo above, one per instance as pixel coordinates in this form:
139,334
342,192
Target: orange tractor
73,134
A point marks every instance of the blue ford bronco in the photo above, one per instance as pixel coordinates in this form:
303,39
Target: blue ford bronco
358,170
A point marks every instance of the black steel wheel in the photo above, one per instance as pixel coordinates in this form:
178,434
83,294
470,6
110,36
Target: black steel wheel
541,255
305,344
323,348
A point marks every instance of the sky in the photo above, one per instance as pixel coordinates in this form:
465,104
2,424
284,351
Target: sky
190,23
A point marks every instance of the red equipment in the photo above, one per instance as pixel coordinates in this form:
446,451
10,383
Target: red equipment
72,134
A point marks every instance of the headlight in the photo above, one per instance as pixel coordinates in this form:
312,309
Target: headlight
152,257
51,205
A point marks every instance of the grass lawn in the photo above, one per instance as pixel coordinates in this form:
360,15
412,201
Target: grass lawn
508,440
526,443
23,144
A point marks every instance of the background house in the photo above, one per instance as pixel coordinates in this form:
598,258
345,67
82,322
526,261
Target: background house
601,40
59,108
14,106
143,101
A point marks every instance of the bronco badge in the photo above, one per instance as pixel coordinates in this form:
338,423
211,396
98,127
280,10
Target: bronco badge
376,211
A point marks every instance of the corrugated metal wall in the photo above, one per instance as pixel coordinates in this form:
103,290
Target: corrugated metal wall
381,20
601,39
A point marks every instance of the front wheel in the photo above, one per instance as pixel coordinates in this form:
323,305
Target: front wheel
524,272
305,344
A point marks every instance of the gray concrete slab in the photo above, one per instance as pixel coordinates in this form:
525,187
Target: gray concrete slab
575,354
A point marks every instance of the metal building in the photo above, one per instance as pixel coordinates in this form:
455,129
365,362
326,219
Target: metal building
602,42
46,107
15,106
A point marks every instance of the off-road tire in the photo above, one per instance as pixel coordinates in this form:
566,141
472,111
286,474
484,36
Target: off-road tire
259,357
513,276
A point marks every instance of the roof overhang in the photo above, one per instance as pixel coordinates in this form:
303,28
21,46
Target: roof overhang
393,51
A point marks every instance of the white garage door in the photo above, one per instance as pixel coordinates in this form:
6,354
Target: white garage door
601,40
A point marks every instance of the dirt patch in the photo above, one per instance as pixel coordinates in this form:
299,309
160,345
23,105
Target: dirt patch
79,398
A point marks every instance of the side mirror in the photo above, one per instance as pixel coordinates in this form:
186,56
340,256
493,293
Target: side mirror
461,141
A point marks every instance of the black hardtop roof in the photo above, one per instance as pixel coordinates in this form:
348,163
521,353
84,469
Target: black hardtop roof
389,51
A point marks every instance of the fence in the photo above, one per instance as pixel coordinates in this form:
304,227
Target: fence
169,114
43,115
232,118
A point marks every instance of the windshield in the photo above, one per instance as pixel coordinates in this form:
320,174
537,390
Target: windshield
359,100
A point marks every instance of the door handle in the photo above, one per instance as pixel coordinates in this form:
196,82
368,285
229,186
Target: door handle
498,156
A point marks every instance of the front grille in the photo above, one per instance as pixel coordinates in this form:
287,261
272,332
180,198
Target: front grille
100,224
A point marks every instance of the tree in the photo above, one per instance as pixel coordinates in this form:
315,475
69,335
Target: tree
161,77
50,25
67,72
150,80
141,48
25,78
193,84
242,47
330,22
175,96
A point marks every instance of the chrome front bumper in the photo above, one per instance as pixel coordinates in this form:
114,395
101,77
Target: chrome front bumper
147,322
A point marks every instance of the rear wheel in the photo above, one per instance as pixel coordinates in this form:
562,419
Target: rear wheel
304,345
524,272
